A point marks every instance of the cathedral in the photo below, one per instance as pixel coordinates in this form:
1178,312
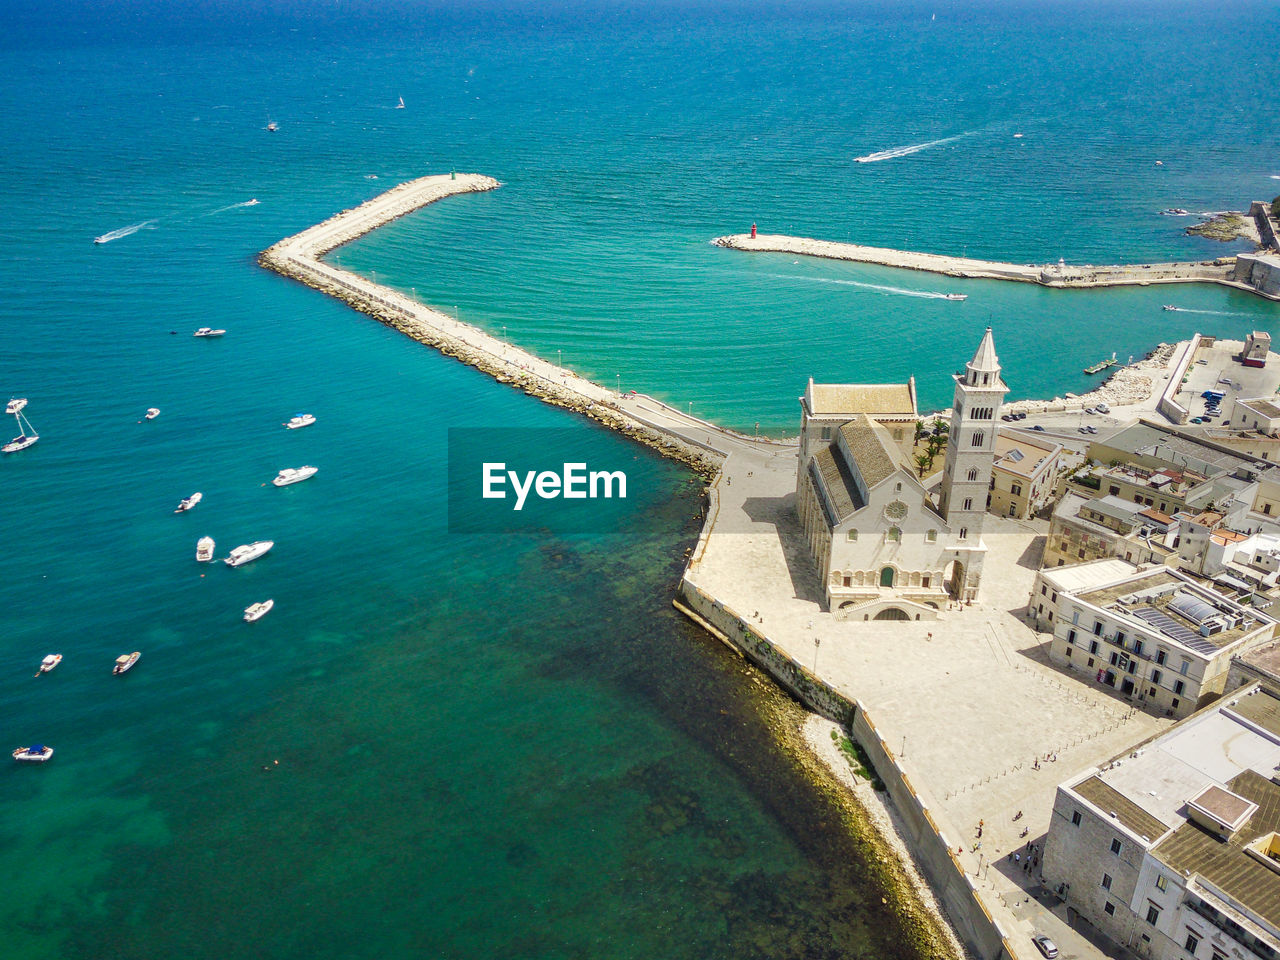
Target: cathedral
884,547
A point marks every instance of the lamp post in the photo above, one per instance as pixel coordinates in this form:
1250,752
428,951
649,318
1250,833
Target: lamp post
559,357
619,376
817,642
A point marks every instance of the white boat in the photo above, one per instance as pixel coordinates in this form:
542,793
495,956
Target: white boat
190,502
300,420
400,105
256,611
249,551
252,203
125,662
208,332
204,549
957,296
152,413
1170,306
38,753
26,433
272,126
49,662
294,475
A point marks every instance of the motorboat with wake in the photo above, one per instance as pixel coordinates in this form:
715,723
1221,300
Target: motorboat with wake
957,296
38,753
204,549
1170,306
256,611
208,332
247,552
26,433
190,502
49,662
300,420
124,663
294,475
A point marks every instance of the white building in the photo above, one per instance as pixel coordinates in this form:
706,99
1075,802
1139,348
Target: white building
1156,636
1173,848
883,549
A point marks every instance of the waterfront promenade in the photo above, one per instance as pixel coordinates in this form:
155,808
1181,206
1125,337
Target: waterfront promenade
1049,275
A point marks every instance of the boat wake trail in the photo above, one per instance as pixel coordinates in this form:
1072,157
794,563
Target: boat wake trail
895,152
231,206
123,232
879,288
1214,313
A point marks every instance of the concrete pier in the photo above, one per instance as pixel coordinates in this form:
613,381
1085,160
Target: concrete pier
1221,270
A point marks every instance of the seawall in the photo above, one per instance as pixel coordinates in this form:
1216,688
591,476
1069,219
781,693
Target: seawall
1059,275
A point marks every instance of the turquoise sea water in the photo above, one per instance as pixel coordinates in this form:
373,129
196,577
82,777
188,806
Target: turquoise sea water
502,745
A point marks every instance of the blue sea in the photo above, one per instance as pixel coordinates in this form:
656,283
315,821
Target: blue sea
444,744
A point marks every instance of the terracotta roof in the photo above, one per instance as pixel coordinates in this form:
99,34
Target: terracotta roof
836,487
1155,515
1227,536
873,453
846,399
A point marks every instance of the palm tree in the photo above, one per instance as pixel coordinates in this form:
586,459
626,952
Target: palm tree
923,462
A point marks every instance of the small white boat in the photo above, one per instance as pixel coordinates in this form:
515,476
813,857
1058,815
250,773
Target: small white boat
26,433
1170,306
252,203
247,552
294,475
38,753
208,332
256,611
204,549
125,662
190,502
49,662
957,296
152,413
300,420
272,126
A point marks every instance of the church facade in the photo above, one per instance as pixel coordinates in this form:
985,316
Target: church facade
884,547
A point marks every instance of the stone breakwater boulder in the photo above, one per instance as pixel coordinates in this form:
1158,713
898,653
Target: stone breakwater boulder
1130,384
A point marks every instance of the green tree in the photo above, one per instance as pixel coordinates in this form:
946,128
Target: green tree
923,462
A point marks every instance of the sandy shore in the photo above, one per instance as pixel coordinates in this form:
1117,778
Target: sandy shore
1048,275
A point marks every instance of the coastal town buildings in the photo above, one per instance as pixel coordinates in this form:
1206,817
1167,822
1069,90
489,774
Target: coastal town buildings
1155,635
1023,474
882,546
1083,529
1172,849
1259,414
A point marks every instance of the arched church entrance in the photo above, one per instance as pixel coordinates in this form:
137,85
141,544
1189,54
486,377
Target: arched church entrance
886,579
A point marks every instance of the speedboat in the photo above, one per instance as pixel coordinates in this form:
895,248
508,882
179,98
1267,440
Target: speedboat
957,296
38,753
300,420
15,406
294,475
256,611
152,413
190,502
1170,306
272,126
204,549
249,551
208,332
49,662
125,662
253,203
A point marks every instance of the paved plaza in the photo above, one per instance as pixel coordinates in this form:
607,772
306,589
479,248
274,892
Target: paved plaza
983,726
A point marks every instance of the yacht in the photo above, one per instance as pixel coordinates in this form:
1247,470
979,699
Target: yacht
256,611
294,475
208,332
49,662
957,296
26,433
125,662
204,549
300,420
152,413
190,502
249,551
38,753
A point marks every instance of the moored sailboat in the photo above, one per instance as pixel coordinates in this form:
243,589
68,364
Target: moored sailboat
26,433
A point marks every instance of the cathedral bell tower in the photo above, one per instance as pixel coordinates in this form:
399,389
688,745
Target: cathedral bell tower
966,477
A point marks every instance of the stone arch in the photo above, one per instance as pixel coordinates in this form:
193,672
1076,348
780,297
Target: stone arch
892,613
887,577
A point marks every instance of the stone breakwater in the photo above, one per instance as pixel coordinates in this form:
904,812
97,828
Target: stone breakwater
298,257
1134,383
1059,274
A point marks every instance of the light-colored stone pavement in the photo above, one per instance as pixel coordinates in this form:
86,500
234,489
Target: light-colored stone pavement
968,702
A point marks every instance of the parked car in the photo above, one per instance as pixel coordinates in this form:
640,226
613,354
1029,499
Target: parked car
1091,428
1090,410
1103,408
1019,416
1084,429
1038,427
1045,946
1007,417
1197,419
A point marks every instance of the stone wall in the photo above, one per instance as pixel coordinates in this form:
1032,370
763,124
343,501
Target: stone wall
1169,404
1261,213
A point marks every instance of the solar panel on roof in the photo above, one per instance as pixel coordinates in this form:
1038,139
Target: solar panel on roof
1171,628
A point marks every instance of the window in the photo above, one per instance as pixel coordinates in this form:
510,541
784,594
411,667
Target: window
1120,638
1090,663
1109,909
1191,944
1184,666
1093,646
1114,657
968,503
1068,654
1162,883
1097,628
964,533
1106,881
1075,818
1115,847
1174,705
1160,655
1133,666
973,474
978,437
1137,647
1114,490
1266,508
931,536
851,536
848,580
925,580
1178,687
1071,636
895,535
1015,489
1153,914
